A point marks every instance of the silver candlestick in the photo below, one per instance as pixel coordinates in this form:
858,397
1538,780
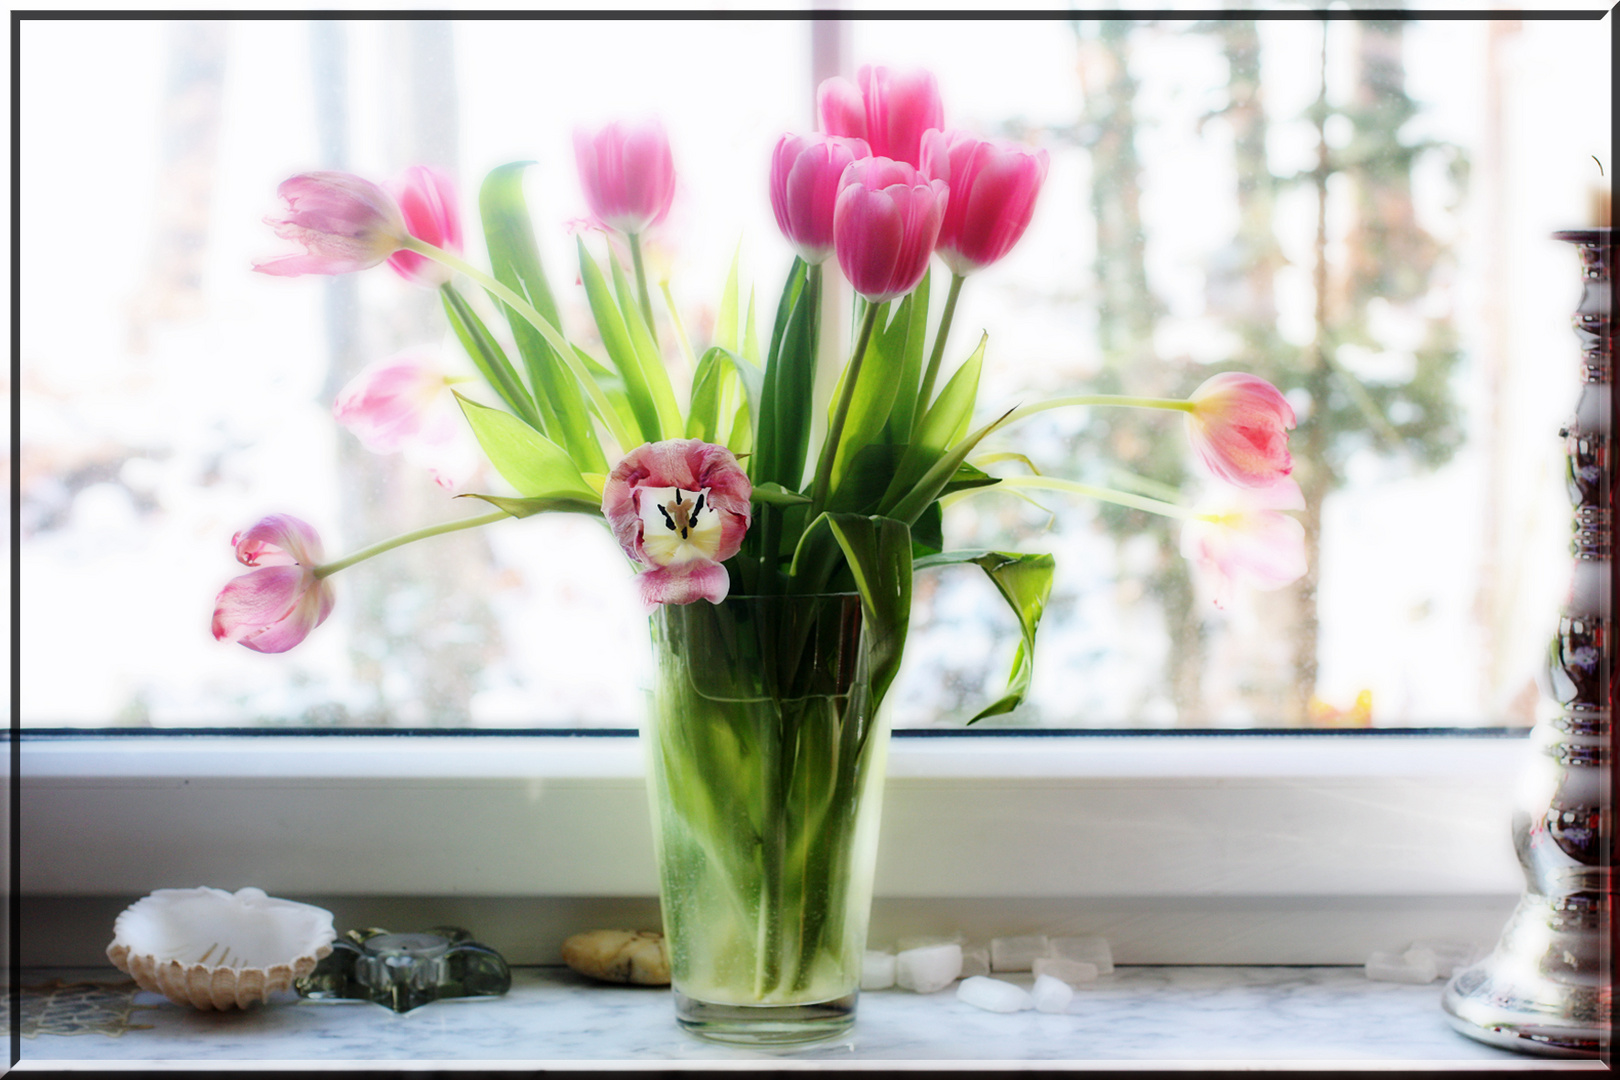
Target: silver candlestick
1548,986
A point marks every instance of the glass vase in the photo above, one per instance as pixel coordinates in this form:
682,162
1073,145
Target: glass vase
766,760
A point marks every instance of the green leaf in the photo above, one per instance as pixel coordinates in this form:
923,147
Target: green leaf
968,477
708,387
878,383
933,482
725,316
750,339
905,398
777,495
523,507
1025,582
782,429
616,339
942,425
529,461
515,262
610,388
488,356
879,553
641,339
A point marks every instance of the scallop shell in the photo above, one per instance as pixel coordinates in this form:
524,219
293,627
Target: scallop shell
211,949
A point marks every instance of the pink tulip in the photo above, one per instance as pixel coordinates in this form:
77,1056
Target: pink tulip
343,222
889,109
277,605
884,226
993,187
427,198
627,172
1239,426
805,173
1241,538
679,507
403,403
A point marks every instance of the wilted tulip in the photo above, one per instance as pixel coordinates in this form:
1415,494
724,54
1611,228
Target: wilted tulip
884,226
1239,427
1240,537
275,606
993,188
344,223
805,175
627,172
404,403
679,507
889,109
427,199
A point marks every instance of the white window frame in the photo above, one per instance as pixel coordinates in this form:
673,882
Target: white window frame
1198,848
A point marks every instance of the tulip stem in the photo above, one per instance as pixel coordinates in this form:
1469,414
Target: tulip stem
327,569
1123,498
553,336
1176,404
641,280
835,432
932,374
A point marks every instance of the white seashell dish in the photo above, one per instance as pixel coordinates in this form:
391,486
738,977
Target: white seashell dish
212,949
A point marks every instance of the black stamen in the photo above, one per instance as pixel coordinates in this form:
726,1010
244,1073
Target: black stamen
677,496
697,507
683,533
667,519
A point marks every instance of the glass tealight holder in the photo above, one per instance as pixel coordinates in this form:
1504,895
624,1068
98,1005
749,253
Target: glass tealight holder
403,971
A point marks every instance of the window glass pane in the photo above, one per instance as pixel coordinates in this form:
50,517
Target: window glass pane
170,397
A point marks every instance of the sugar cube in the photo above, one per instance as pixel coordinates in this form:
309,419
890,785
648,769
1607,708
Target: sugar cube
976,961
1072,972
1017,953
993,994
1394,967
877,970
930,968
1093,950
1051,995
922,941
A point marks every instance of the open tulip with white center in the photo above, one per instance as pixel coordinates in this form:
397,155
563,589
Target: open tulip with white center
1240,537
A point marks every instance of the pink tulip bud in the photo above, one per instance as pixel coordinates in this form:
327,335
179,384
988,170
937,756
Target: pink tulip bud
889,109
679,507
805,173
884,226
993,187
344,223
1240,538
275,606
427,198
404,404
627,172
1239,427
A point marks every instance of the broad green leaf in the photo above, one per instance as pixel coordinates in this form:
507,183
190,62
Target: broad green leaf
862,490
616,339
928,532
875,387
708,386
969,476
641,339
529,461
902,415
777,495
933,482
488,355
1025,582
782,426
725,316
525,506
515,262
938,429
879,553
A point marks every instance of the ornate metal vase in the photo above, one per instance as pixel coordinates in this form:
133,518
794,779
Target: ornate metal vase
1548,986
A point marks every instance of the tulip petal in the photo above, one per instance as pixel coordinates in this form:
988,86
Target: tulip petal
272,608
684,584
1239,429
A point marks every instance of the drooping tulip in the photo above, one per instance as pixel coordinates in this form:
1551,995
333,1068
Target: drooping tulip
680,508
1240,537
993,188
1239,427
403,403
427,199
889,109
805,175
344,223
275,606
627,172
885,224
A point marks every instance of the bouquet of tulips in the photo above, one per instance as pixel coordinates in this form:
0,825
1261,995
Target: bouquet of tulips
725,495
711,481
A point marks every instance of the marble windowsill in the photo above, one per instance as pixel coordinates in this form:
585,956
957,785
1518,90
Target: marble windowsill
1265,1016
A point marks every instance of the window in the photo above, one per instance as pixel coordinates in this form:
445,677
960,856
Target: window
169,397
